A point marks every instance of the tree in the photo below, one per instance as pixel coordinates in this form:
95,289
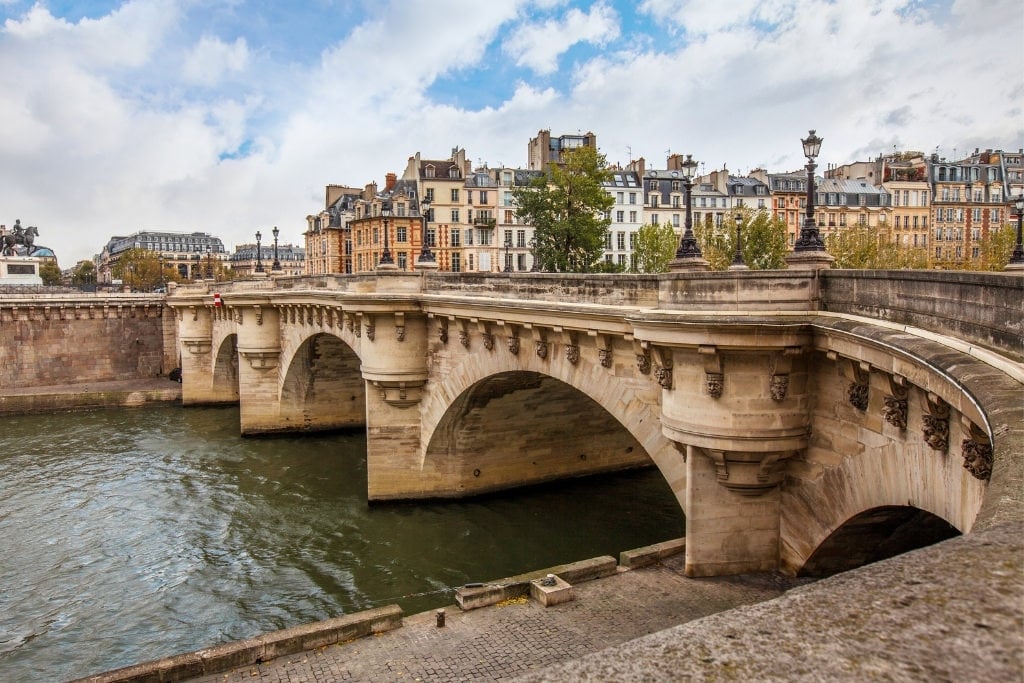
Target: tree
567,210
138,269
655,246
764,240
84,274
50,273
996,249
861,246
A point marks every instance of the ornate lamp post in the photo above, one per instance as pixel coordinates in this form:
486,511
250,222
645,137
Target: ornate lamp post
426,258
508,261
809,249
810,239
688,255
277,264
386,261
259,261
737,259
1017,259
533,254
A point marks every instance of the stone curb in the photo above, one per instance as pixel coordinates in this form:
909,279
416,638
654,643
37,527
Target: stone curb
642,557
255,650
45,403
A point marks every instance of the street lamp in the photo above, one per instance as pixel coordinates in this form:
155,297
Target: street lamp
535,267
426,256
259,261
1017,260
385,212
209,262
508,245
810,238
277,264
737,259
688,256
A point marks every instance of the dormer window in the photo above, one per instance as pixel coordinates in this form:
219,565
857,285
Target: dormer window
428,172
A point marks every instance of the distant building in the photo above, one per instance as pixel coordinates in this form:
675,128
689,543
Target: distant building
243,262
544,150
188,253
328,234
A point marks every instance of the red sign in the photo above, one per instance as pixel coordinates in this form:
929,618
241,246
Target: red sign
216,300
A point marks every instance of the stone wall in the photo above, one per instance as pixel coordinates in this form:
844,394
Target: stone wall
71,338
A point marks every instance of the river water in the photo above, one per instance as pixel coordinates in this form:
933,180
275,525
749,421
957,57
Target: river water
129,535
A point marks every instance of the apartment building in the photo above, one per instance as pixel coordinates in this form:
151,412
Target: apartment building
187,253
544,150
387,221
626,215
515,231
443,183
328,235
788,199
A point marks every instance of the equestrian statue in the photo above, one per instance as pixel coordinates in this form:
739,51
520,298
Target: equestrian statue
20,242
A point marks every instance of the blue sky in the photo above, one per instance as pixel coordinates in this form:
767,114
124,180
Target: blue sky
230,116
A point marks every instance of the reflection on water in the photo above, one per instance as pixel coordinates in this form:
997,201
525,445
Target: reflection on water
134,534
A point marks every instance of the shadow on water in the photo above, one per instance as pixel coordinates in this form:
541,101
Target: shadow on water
134,534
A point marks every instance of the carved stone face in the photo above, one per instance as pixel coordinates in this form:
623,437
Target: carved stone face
936,432
513,345
643,363
857,395
542,349
977,458
605,356
714,382
895,411
664,377
572,353
488,341
778,386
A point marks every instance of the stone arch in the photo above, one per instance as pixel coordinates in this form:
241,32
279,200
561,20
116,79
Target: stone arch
321,386
858,461
874,535
629,407
225,369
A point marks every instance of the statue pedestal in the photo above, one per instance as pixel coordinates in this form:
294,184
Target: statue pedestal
809,260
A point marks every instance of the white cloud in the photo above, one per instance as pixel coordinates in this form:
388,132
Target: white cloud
105,132
539,45
212,58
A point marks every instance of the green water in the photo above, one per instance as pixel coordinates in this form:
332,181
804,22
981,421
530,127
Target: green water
134,534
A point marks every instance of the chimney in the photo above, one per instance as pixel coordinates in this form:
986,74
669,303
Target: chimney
389,182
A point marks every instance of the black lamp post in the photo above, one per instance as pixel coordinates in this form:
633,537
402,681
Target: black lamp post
426,256
688,247
737,259
508,261
810,238
1018,251
277,264
161,260
533,254
209,262
385,212
259,261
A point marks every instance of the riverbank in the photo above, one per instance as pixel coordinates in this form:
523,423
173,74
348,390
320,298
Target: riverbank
611,605
89,395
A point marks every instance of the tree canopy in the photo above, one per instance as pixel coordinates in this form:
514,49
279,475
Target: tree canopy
764,240
568,211
655,246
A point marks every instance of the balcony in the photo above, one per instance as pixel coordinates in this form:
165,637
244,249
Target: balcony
484,222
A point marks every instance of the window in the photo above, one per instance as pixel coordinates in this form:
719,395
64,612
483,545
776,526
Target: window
620,241
403,260
620,198
429,194
469,196
485,237
654,219
520,261
675,201
632,197
508,216
654,200
400,234
455,215
432,237
456,262
376,235
675,220
455,237
455,194
428,172
608,241
632,216
508,261
483,196
620,216
521,238
654,185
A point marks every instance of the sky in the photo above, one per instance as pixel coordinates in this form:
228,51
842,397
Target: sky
230,116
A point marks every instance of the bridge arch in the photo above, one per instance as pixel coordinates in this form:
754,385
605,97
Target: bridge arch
859,460
875,535
616,412
321,384
225,368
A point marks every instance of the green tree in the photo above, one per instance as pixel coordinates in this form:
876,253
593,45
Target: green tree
764,240
50,273
995,249
567,210
84,274
655,247
861,246
138,269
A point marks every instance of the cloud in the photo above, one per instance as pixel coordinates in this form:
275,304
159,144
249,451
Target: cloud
212,58
538,45
156,117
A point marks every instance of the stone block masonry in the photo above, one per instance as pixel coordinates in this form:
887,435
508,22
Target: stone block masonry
63,339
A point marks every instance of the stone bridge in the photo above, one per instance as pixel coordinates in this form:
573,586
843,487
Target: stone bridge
806,421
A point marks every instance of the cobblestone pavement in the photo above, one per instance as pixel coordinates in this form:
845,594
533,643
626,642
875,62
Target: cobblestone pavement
504,641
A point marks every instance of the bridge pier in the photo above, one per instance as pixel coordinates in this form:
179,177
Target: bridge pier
259,355
195,334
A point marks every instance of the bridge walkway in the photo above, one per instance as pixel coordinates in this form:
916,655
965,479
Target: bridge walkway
508,640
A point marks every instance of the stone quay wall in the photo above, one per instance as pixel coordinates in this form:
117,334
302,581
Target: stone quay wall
49,339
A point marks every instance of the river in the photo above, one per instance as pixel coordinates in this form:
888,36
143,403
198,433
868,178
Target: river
134,534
